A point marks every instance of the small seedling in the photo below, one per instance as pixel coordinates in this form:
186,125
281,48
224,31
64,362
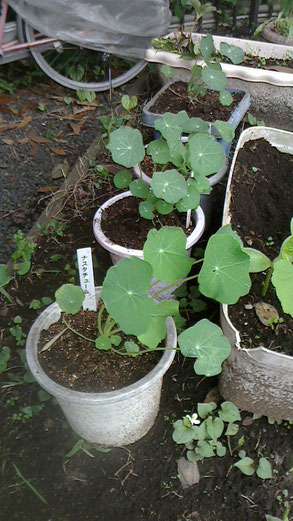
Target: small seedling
85,447
16,331
25,248
42,107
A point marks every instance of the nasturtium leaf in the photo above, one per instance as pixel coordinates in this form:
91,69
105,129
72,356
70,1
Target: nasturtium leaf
103,343
157,327
128,102
225,130
169,185
192,198
167,71
165,250
122,179
164,208
115,340
286,251
177,153
224,275
207,47
291,226
169,126
206,342
258,260
225,98
234,53
215,427
264,469
213,78
229,412
69,298
202,184
4,277
125,295
146,210
22,267
282,279
139,189
182,433
204,409
246,465
159,151
195,125
126,146
131,348
206,155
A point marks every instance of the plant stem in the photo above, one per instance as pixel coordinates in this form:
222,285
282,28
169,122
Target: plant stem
267,281
182,281
76,332
101,311
26,482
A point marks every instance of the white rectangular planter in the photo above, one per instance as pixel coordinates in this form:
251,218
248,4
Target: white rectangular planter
257,380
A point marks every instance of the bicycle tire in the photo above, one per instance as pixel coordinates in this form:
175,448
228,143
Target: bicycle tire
69,54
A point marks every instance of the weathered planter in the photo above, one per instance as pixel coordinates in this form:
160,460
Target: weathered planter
272,36
257,380
114,418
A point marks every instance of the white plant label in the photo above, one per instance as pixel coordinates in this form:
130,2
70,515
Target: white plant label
86,276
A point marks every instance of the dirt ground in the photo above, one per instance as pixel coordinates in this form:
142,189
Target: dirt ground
41,479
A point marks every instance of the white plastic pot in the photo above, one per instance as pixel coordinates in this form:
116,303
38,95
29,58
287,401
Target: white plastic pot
118,252
257,380
114,418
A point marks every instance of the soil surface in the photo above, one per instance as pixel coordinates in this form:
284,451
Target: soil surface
175,98
261,209
42,478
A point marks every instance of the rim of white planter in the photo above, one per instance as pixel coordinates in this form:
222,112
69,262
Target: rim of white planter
251,74
98,417
121,251
258,380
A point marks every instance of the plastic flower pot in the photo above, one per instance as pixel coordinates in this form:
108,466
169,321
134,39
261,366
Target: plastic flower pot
118,252
257,380
109,419
149,114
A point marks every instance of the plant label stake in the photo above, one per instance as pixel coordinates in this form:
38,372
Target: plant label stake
86,276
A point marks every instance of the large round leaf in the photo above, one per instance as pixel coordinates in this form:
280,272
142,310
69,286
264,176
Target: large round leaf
206,155
126,146
165,250
170,125
224,275
169,185
213,78
125,295
206,342
69,298
282,279
159,151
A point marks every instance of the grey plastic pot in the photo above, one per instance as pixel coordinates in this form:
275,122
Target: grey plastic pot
257,380
118,252
110,419
272,36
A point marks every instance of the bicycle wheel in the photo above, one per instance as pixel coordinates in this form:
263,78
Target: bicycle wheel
78,67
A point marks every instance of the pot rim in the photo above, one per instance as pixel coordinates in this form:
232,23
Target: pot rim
51,315
127,252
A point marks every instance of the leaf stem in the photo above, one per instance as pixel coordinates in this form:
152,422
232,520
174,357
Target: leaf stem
267,281
76,332
28,484
180,282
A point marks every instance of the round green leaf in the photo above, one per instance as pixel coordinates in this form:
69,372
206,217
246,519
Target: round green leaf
225,130
229,412
139,189
103,343
125,295
69,298
170,125
122,179
264,469
258,260
206,342
234,53
246,465
192,198
206,155
225,98
282,279
182,433
169,186
164,208
131,348
215,427
159,151
165,250
214,79
126,146
145,209
207,46
4,277
204,409
224,275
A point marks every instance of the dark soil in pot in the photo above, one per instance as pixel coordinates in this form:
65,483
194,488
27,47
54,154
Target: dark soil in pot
175,98
122,223
261,209
75,363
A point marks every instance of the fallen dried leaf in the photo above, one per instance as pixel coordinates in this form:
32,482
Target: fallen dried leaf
8,141
33,151
14,111
76,127
47,189
32,135
6,98
58,151
24,122
23,141
266,313
60,170
9,126
188,473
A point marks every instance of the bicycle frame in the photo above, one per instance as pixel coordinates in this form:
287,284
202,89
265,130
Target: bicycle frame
14,49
